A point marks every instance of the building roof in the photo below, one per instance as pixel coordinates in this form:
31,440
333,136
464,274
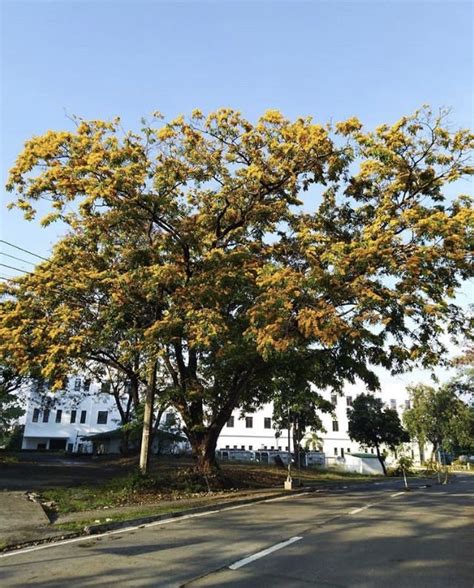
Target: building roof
118,433
364,455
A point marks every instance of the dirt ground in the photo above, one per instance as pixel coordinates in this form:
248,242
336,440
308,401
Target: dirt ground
34,471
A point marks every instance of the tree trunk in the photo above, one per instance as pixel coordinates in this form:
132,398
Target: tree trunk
421,449
148,420
381,460
204,449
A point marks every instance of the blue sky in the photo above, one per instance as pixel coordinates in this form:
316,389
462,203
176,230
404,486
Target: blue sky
376,60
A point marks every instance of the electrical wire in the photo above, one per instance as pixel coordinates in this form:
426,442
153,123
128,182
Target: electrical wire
24,250
17,258
15,268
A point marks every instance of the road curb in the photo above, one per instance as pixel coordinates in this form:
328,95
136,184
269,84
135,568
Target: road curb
138,521
104,527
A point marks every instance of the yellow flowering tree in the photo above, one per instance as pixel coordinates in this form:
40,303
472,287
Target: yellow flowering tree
195,232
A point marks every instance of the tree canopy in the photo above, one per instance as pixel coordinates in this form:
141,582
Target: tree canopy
439,415
373,425
191,265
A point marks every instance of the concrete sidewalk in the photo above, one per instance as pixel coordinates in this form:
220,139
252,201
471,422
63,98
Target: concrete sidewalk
22,520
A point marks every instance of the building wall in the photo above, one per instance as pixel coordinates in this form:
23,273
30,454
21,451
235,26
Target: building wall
335,443
41,433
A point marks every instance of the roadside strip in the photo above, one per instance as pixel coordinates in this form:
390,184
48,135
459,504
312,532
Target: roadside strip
166,519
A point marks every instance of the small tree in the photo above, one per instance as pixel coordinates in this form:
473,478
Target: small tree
300,410
373,425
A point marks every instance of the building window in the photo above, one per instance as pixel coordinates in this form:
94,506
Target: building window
393,404
105,388
348,450
227,446
87,385
286,448
230,422
77,384
335,450
242,447
407,404
83,416
102,417
46,416
349,400
73,416
250,447
235,446
335,426
59,414
267,423
169,419
334,399
272,447
248,422
36,413
279,447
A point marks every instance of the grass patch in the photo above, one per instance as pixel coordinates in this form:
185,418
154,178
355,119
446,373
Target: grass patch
171,483
146,512
6,460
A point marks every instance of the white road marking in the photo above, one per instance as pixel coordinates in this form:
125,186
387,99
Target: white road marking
287,497
356,510
396,494
260,554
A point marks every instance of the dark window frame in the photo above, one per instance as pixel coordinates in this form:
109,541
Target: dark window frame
267,423
249,422
83,417
100,417
59,415
36,415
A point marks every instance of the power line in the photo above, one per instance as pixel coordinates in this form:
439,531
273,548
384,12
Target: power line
24,250
15,268
17,258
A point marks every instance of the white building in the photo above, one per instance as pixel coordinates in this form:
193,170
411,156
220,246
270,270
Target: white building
83,411
59,421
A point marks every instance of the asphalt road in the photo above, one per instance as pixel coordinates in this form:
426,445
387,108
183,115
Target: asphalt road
377,536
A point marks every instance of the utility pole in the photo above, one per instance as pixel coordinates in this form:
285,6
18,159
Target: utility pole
289,480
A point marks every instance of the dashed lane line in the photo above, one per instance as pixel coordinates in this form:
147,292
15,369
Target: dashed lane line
243,562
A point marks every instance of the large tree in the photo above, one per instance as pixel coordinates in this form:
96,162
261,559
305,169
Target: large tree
440,416
373,425
226,275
